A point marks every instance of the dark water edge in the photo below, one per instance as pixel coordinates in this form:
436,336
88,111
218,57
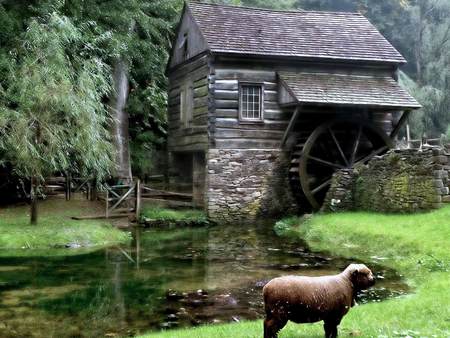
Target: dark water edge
164,279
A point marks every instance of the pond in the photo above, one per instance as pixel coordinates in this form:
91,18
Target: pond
164,279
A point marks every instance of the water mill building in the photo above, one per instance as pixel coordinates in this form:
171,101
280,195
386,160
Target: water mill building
264,106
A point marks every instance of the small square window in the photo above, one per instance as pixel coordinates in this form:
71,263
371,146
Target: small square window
251,102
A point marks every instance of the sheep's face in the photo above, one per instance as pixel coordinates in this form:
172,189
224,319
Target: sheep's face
361,276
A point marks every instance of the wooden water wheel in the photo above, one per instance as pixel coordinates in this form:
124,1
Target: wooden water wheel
334,145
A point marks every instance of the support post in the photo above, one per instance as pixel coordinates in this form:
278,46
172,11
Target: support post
68,187
138,199
94,189
400,124
107,203
290,126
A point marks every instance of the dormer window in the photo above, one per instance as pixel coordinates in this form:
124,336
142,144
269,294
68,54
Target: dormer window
251,102
184,46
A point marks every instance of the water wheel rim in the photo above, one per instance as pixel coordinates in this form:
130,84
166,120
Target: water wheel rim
311,142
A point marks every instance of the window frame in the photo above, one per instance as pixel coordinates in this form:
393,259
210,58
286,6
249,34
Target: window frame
243,119
187,104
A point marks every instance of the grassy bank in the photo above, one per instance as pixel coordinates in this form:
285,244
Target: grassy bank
164,214
55,230
417,246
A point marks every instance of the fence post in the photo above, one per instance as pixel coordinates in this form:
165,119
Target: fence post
138,199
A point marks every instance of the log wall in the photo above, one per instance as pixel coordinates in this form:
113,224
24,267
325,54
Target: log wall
193,137
228,132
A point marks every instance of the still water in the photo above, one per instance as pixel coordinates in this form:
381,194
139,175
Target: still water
164,279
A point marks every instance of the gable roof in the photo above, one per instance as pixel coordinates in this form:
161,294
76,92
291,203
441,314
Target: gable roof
348,90
301,34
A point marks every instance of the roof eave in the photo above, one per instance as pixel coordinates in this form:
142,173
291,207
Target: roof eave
219,52
354,105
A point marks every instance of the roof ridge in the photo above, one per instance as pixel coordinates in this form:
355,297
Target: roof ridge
272,10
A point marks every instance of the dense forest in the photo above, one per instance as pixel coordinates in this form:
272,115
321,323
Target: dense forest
68,67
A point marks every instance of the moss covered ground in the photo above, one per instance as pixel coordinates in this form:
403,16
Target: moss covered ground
56,233
417,246
164,214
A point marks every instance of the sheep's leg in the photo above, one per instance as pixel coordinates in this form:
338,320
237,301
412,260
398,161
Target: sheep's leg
272,326
331,328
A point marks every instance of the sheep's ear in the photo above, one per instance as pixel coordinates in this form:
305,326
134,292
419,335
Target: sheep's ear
355,272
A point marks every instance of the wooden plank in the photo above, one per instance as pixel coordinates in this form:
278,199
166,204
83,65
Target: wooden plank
247,144
201,82
400,124
221,94
201,91
189,147
226,94
166,193
94,217
200,102
234,123
138,199
188,140
246,74
200,121
268,134
168,203
291,126
199,111
226,104
234,85
189,67
277,114
190,131
227,113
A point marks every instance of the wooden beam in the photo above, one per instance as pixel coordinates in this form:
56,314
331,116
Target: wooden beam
400,124
291,125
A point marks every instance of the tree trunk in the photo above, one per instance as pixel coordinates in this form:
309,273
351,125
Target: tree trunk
34,202
120,122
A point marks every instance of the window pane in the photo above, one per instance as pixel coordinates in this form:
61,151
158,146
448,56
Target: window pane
251,102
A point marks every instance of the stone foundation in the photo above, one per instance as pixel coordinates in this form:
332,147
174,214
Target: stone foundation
244,185
400,181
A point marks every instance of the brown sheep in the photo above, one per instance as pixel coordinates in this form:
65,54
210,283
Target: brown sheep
304,299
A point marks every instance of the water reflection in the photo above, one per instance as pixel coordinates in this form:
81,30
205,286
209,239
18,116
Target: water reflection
165,278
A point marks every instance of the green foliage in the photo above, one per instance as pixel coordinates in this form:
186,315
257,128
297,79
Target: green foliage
139,33
51,113
155,213
284,226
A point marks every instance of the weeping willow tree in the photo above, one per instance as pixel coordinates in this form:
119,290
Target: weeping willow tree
52,118
137,51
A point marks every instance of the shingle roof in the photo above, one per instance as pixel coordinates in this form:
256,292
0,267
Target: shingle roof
304,34
320,88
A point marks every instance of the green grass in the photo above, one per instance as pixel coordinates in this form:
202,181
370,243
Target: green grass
417,246
156,213
54,231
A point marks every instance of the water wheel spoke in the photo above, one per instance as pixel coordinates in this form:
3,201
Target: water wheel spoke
325,162
356,146
334,145
321,187
338,146
372,154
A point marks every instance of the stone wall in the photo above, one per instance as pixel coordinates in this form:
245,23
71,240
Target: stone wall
244,185
400,181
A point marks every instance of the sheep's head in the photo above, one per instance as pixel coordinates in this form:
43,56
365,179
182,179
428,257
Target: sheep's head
361,276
